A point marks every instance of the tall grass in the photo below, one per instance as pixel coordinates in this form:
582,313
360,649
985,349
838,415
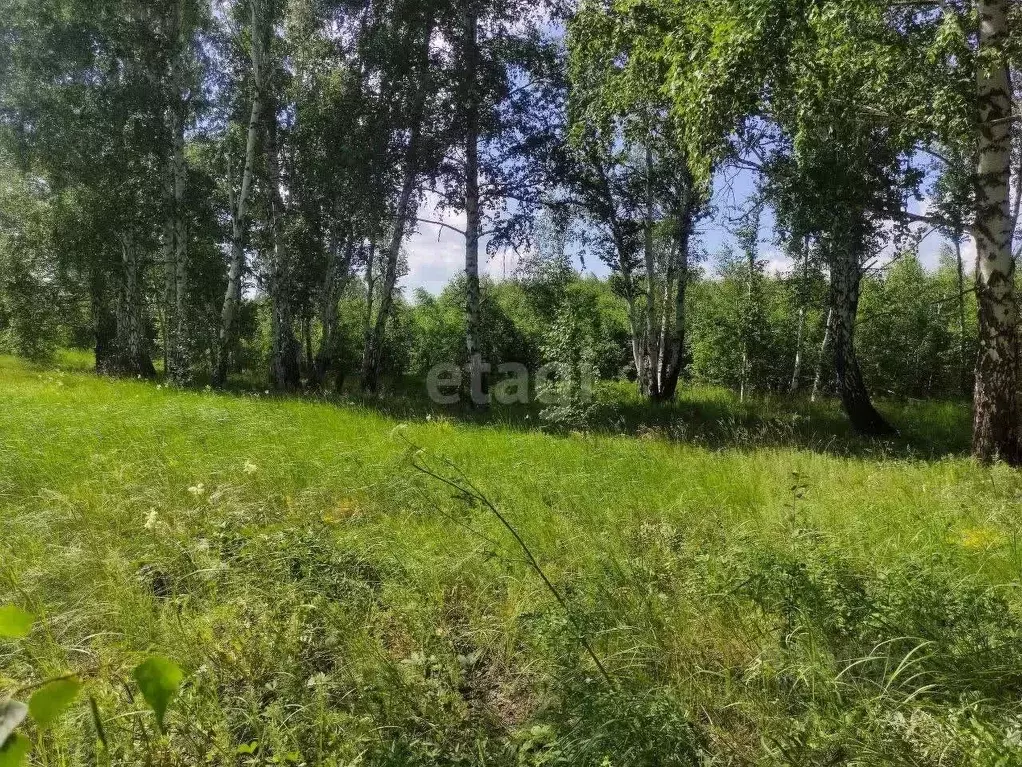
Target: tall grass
758,591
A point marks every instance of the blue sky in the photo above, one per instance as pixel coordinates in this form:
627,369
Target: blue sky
435,255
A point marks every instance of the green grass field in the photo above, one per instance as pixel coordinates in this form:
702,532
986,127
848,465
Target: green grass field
759,590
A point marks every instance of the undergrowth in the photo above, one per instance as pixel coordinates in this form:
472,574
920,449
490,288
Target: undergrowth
764,603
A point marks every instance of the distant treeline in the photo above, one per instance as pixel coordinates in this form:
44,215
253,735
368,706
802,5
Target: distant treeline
916,330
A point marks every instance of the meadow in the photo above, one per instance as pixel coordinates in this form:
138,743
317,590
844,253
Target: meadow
712,583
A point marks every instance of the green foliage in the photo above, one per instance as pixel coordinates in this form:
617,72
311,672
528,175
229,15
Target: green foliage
159,679
570,355
910,336
888,663
30,320
439,327
15,623
721,320
14,751
52,699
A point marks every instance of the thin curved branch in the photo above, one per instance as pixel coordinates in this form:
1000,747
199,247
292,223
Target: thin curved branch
442,225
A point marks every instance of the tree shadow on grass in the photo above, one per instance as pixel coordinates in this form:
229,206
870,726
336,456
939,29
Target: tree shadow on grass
716,420
701,416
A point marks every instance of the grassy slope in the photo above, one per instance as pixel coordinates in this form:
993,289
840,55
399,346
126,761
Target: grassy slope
330,602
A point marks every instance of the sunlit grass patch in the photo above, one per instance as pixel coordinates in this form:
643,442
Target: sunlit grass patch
780,596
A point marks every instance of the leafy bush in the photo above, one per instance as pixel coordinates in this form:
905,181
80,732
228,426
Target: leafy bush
570,354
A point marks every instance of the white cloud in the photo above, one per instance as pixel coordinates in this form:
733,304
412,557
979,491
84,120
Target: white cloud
777,262
436,254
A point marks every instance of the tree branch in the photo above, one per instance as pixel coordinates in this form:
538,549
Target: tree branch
442,225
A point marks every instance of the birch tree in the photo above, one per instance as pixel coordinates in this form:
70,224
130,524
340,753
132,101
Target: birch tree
996,424
239,191
82,107
505,119
628,174
179,24
416,37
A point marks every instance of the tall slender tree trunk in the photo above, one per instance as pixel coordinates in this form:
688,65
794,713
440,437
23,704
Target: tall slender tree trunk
634,323
674,347
285,350
132,343
176,255
177,354
995,401
104,323
371,278
635,332
236,267
307,342
818,375
747,335
473,301
183,356
665,321
750,315
796,369
341,251
650,379
800,332
169,255
845,281
964,371
373,355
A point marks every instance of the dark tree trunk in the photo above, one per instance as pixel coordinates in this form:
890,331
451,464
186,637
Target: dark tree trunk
674,348
285,350
845,280
104,323
177,353
131,356
336,277
307,339
800,331
236,266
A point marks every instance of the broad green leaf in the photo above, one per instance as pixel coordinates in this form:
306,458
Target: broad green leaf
52,699
159,679
14,752
12,714
15,623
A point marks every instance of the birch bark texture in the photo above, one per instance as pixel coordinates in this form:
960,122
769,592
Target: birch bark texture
995,398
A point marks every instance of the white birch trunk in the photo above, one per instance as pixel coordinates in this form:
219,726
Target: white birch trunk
473,301
996,416
236,267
